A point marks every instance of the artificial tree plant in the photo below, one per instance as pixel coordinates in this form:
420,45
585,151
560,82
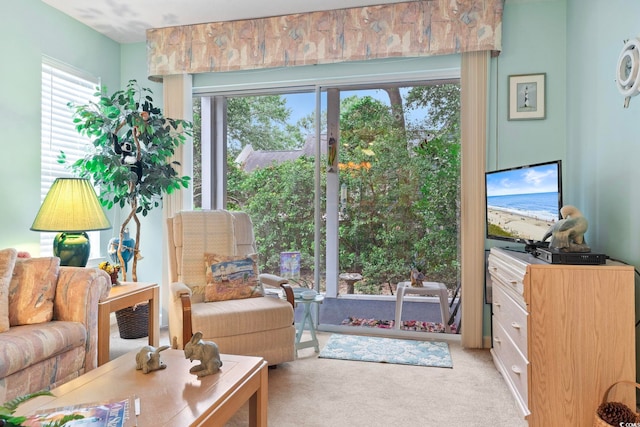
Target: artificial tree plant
130,159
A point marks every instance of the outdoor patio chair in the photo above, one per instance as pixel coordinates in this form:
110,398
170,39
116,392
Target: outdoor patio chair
254,326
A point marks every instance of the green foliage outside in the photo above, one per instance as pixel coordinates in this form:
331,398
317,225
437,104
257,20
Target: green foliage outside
262,123
402,205
279,200
402,184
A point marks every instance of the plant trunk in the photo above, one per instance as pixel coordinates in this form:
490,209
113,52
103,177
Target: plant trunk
136,251
132,215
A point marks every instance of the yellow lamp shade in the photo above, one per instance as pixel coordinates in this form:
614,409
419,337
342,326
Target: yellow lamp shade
71,205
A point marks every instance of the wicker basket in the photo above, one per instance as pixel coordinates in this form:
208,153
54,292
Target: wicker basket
599,422
133,322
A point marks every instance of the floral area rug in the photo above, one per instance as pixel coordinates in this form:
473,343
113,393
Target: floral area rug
407,325
387,350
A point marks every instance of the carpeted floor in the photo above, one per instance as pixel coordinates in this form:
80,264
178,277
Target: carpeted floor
312,391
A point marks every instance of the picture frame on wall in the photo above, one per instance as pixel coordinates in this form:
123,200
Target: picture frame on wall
527,97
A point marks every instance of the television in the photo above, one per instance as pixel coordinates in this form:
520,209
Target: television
523,203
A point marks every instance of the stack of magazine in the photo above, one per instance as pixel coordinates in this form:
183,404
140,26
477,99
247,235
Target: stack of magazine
112,413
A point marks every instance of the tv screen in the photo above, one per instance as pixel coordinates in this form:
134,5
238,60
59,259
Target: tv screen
523,202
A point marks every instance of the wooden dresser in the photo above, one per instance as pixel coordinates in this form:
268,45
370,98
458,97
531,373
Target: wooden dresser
562,334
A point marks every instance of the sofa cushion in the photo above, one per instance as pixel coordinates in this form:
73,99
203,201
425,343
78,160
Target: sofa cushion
48,374
241,316
32,290
23,346
7,261
231,277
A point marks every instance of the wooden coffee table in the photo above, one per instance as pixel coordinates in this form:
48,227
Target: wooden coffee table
171,397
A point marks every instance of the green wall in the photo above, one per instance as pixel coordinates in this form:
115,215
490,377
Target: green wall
30,29
602,136
533,41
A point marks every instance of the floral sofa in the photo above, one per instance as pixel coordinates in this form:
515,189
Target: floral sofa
48,322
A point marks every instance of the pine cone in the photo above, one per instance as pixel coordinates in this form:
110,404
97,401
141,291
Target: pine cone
615,413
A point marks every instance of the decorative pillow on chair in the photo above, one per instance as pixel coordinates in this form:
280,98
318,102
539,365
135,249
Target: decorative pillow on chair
231,277
7,261
32,290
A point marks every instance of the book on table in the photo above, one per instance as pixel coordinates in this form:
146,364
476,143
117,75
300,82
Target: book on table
111,413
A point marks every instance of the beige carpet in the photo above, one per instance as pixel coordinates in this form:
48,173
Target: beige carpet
326,392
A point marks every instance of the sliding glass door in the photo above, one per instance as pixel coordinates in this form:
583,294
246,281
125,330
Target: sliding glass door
342,182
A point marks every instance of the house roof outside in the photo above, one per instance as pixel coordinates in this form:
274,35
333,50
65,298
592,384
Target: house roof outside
250,159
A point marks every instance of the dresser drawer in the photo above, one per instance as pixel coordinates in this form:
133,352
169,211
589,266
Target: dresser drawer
511,276
512,364
511,316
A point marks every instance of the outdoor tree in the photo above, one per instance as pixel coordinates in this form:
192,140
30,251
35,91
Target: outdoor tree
380,225
442,102
279,200
437,252
261,121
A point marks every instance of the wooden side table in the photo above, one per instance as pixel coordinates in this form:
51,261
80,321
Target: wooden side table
127,294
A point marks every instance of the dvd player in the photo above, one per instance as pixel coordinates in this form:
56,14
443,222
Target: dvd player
554,256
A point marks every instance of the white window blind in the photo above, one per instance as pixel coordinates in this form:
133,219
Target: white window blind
61,85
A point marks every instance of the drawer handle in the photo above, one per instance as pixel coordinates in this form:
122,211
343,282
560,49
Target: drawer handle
516,370
497,304
514,282
497,339
515,325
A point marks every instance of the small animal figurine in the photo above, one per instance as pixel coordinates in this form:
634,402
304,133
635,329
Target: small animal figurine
206,352
417,277
148,359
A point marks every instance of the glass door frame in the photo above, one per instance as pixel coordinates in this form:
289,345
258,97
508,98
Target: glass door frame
217,152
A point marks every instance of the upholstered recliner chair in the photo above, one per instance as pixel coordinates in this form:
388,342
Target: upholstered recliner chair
252,326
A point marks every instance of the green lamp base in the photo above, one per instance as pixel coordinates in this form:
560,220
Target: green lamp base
72,248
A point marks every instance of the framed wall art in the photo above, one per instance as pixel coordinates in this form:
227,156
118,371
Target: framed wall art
527,97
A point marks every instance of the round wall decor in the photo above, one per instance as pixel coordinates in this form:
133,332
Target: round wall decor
628,70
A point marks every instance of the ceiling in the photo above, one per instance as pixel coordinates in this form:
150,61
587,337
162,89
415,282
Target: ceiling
126,21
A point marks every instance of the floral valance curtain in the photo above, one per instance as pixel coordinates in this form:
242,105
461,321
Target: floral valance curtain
409,29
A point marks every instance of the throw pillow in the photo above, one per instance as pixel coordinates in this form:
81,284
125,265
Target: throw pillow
32,290
7,261
231,277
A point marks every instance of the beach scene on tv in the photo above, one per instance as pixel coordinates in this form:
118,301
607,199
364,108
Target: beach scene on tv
522,203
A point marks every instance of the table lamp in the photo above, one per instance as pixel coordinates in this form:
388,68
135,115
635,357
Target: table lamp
71,208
